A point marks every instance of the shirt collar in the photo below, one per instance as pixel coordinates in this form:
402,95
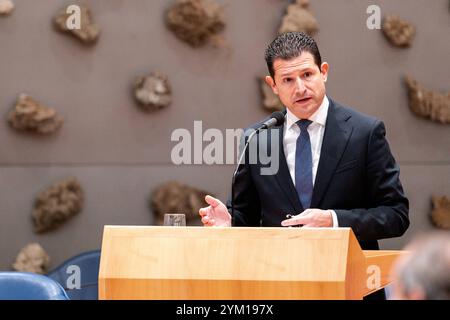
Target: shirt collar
319,117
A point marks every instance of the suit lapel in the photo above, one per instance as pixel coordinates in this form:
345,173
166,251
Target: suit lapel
283,176
335,140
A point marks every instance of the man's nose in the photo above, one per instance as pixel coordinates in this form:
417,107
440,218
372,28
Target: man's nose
299,85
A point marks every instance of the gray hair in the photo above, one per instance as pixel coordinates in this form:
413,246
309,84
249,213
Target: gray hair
428,267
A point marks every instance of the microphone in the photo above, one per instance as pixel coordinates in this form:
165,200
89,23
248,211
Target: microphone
276,119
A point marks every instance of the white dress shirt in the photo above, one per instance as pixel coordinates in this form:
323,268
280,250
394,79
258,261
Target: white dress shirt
316,130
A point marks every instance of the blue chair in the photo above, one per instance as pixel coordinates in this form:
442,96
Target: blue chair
29,286
88,265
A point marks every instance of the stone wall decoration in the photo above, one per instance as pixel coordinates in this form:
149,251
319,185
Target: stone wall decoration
88,32
57,204
174,197
153,92
440,215
6,7
426,103
299,18
30,116
271,102
398,31
32,258
196,22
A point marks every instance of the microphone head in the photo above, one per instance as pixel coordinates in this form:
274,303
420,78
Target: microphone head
279,116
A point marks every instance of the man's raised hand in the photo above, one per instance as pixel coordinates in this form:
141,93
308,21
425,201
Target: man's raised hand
216,214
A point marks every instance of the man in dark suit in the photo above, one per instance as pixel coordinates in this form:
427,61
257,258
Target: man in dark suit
335,165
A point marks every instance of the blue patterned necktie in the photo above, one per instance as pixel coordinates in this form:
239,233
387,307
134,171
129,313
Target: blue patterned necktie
303,165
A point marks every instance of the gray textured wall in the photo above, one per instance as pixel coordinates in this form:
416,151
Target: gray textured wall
120,153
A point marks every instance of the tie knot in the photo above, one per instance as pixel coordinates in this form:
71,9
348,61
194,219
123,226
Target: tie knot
304,124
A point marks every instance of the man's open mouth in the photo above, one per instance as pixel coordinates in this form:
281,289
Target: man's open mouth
302,100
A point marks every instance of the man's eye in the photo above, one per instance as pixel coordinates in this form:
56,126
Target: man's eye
287,80
308,74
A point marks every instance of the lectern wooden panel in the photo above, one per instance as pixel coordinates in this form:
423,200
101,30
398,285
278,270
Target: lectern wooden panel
237,264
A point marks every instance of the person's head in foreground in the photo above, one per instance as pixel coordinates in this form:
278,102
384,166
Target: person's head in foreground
424,272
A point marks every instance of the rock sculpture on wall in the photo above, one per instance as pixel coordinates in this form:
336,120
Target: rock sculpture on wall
6,7
197,22
398,31
299,18
57,204
271,102
30,116
153,92
32,258
174,197
426,103
440,216
88,32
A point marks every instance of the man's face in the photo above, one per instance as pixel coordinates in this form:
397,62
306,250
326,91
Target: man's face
300,84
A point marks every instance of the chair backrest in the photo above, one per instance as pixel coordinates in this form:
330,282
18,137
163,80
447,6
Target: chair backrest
87,264
29,286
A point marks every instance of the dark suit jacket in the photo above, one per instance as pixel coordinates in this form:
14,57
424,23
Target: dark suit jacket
357,177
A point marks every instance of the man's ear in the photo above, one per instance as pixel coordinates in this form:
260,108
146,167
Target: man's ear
324,68
271,83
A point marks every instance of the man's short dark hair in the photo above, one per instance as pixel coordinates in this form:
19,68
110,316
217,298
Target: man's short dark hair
291,45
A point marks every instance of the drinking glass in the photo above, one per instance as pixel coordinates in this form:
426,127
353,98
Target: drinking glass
175,219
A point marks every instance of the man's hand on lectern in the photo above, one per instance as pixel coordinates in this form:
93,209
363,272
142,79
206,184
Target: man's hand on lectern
216,214
311,218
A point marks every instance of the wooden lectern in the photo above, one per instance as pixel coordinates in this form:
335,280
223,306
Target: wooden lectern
172,263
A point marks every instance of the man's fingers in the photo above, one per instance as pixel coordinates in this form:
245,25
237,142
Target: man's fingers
204,211
303,218
210,223
213,202
296,221
304,213
205,219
